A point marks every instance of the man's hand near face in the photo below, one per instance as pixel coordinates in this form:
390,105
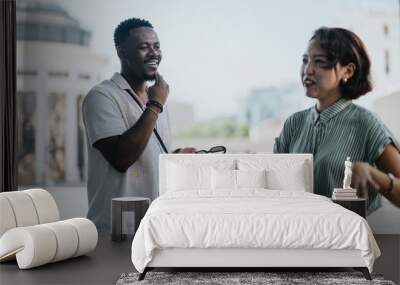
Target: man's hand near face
159,91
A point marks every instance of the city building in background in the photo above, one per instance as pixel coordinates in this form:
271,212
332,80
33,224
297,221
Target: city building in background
270,102
388,108
379,28
55,70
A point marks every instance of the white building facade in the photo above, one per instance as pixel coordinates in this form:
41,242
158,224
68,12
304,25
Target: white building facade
55,70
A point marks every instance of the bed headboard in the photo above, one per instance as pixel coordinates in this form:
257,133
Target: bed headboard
281,163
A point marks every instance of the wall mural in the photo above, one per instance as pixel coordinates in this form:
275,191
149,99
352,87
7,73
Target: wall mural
26,147
55,173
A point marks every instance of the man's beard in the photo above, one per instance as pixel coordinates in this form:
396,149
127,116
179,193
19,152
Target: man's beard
149,77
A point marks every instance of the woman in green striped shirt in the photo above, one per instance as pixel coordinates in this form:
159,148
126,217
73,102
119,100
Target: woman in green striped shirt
335,71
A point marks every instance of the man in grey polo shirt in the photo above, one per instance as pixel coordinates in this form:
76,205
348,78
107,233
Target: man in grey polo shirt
126,125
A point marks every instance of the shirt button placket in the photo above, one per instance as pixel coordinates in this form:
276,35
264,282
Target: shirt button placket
318,135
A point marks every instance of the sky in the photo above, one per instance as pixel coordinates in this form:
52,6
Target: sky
217,51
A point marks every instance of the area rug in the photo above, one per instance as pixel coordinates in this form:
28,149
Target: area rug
244,278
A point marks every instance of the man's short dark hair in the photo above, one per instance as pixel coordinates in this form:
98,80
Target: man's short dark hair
121,33
343,46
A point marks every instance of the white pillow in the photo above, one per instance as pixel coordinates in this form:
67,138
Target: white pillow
281,173
188,177
251,178
187,173
223,179
291,179
236,179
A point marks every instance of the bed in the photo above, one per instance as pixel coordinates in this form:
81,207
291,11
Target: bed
245,211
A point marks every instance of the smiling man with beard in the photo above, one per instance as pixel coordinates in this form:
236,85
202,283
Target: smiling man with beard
127,124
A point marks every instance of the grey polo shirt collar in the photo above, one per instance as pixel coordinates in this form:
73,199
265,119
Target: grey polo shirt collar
120,81
329,112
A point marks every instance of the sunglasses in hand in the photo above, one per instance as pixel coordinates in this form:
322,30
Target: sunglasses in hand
214,149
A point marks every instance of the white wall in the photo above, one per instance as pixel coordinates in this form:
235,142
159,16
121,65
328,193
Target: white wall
72,201
386,220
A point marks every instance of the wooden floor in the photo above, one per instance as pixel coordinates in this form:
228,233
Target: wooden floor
110,260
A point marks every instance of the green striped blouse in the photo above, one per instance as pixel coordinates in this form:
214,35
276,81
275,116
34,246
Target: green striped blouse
343,129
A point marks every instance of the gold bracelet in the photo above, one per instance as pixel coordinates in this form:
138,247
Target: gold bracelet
151,109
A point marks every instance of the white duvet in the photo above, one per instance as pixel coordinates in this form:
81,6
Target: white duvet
250,219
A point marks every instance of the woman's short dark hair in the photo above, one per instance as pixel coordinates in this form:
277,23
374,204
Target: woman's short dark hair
343,46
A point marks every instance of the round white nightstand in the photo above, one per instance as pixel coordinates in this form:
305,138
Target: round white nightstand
139,205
